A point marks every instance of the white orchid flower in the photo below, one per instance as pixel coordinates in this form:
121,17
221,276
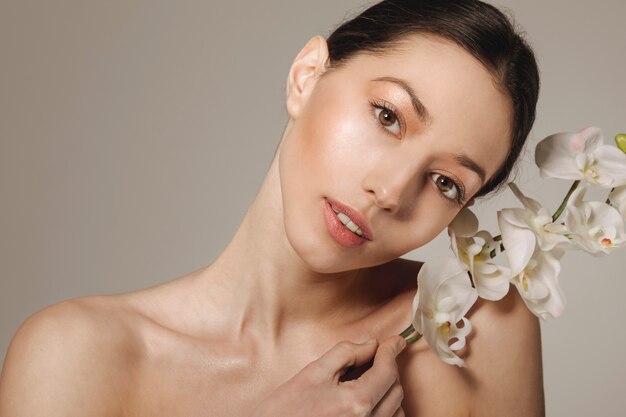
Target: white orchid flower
593,226
444,296
490,279
581,156
618,200
525,229
538,284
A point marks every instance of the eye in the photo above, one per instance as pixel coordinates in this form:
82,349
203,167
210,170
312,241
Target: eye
387,118
448,188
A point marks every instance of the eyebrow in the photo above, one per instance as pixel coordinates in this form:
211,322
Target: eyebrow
418,106
469,163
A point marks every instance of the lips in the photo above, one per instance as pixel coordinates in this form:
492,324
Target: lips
340,232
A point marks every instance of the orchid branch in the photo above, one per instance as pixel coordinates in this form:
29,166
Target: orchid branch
534,239
559,211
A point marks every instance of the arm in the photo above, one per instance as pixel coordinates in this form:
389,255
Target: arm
60,363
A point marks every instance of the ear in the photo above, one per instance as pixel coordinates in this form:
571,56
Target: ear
310,63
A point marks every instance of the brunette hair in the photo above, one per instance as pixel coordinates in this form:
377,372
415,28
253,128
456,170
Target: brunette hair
479,28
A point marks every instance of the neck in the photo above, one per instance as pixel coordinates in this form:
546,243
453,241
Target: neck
265,286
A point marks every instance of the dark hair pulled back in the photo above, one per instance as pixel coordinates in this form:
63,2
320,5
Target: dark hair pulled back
479,28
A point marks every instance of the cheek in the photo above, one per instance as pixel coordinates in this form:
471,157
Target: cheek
319,158
428,220
330,141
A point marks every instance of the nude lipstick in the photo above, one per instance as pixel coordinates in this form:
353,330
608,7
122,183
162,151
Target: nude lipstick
342,233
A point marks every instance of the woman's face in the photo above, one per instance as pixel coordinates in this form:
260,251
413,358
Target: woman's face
398,143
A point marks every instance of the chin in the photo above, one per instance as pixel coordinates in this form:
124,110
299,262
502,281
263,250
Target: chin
319,256
324,256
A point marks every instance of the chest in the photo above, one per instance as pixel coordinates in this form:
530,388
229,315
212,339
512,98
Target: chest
203,382
233,385
180,376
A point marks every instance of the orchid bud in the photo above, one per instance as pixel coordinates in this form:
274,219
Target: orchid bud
620,140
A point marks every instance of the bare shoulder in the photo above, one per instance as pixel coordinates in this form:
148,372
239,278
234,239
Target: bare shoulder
504,358
502,374
69,359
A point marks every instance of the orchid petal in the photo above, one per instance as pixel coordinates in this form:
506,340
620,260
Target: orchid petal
618,199
555,156
539,285
460,333
487,268
611,162
528,202
493,285
519,243
592,137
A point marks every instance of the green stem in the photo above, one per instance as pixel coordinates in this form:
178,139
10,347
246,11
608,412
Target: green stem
471,278
410,335
608,200
559,211
411,331
408,331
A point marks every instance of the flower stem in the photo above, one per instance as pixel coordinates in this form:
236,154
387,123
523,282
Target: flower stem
559,211
408,331
411,331
608,200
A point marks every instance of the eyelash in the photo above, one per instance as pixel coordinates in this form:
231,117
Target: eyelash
386,106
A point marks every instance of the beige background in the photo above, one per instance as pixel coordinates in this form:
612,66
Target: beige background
133,135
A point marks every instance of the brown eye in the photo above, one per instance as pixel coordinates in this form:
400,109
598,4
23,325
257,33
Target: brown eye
446,186
387,117
444,183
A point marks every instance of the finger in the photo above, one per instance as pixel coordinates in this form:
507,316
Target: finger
390,403
384,372
355,372
399,413
345,354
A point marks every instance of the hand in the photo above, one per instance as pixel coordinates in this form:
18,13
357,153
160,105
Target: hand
318,390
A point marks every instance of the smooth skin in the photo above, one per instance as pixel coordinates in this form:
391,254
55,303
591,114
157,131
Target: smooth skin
270,326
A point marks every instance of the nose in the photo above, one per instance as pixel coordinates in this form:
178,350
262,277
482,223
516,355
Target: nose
391,186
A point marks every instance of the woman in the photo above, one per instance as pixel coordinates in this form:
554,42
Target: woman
403,116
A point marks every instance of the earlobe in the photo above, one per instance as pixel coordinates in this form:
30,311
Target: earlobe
309,64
